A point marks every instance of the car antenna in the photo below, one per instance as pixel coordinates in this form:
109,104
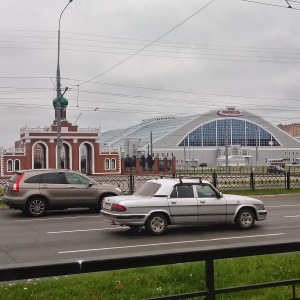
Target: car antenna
200,180
180,179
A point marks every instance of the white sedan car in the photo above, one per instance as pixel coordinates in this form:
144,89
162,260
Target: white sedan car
162,202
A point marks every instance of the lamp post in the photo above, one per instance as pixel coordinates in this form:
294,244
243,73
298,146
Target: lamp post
226,146
59,96
256,145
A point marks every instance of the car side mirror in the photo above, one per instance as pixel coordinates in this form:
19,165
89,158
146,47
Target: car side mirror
90,184
220,195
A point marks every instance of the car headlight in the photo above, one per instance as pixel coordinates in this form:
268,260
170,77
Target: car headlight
119,190
260,207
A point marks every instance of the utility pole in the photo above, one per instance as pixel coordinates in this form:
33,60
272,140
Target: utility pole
226,145
59,96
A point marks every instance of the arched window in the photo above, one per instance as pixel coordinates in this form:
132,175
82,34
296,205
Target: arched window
86,158
107,164
239,132
113,164
235,151
17,165
244,152
9,166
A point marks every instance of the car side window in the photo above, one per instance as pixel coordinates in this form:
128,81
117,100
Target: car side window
76,179
205,191
53,178
182,191
34,179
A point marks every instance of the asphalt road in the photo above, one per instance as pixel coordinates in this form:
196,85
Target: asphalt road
72,235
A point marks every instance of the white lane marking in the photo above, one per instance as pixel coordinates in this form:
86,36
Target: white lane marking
60,218
292,216
171,243
84,230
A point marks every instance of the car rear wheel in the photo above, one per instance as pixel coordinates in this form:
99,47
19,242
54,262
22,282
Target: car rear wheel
36,207
157,224
245,218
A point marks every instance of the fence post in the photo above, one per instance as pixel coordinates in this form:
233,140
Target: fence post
252,182
131,184
215,179
210,279
288,180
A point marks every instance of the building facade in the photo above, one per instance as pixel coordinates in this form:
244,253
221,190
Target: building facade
218,138
292,129
37,148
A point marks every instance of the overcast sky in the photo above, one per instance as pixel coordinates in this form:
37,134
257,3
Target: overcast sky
202,55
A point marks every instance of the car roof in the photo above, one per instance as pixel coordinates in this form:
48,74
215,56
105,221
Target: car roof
168,183
43,170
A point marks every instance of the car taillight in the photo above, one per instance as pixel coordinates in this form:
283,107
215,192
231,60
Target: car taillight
118,207
16,186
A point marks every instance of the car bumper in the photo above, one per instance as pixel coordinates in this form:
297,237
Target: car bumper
13,204
123,219
261,215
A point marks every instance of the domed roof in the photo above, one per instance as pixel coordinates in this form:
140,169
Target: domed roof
63,102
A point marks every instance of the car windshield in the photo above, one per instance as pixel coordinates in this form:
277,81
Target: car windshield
148,189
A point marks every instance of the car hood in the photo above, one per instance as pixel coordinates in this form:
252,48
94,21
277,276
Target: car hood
236,198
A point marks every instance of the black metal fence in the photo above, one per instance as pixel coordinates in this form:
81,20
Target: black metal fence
144,260
222,181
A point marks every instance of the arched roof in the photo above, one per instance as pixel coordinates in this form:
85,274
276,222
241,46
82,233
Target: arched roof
172,130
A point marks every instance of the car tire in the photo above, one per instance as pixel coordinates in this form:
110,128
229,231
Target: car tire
156,224
36,207
245,218
98,206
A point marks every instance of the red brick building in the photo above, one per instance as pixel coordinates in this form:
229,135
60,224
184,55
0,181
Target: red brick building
292,129
81,150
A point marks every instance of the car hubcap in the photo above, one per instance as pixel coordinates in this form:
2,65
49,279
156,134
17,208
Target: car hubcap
157,224
246,219
37,207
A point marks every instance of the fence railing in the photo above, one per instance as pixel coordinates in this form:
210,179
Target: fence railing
222,181
208,256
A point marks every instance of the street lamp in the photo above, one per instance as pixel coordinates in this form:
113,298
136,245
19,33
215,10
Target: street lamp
256,145
59,96
226,146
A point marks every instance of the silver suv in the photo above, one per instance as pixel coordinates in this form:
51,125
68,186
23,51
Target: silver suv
36,191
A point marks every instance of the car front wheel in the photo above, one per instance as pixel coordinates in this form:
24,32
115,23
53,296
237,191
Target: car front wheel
157,224
245,218
99,204
36,207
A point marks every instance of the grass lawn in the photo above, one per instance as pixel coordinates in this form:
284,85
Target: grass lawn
264,192
149,282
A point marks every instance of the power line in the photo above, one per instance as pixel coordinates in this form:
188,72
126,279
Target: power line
258,60
174,52
121,62
162,103
17,90
162,44
269,4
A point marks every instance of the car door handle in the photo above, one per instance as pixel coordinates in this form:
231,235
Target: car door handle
202,201
173,202
43,185
71,187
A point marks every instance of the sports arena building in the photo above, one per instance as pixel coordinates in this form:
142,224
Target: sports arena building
227,137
